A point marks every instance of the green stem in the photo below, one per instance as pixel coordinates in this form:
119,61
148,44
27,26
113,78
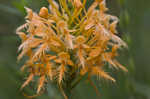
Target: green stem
77,82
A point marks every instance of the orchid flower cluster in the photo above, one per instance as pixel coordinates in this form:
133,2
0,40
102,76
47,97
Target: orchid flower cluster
69,40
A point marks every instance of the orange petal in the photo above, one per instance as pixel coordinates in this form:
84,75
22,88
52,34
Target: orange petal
28,80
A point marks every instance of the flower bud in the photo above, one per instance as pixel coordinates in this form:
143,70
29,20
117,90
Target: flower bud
43,12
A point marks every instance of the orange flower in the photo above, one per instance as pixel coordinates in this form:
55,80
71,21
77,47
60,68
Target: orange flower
60,46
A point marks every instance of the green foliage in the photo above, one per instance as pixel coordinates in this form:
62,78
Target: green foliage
19,4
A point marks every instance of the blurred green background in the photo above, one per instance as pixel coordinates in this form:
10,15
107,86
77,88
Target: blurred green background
134,28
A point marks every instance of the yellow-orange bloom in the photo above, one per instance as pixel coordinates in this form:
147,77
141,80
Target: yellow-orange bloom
60,46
